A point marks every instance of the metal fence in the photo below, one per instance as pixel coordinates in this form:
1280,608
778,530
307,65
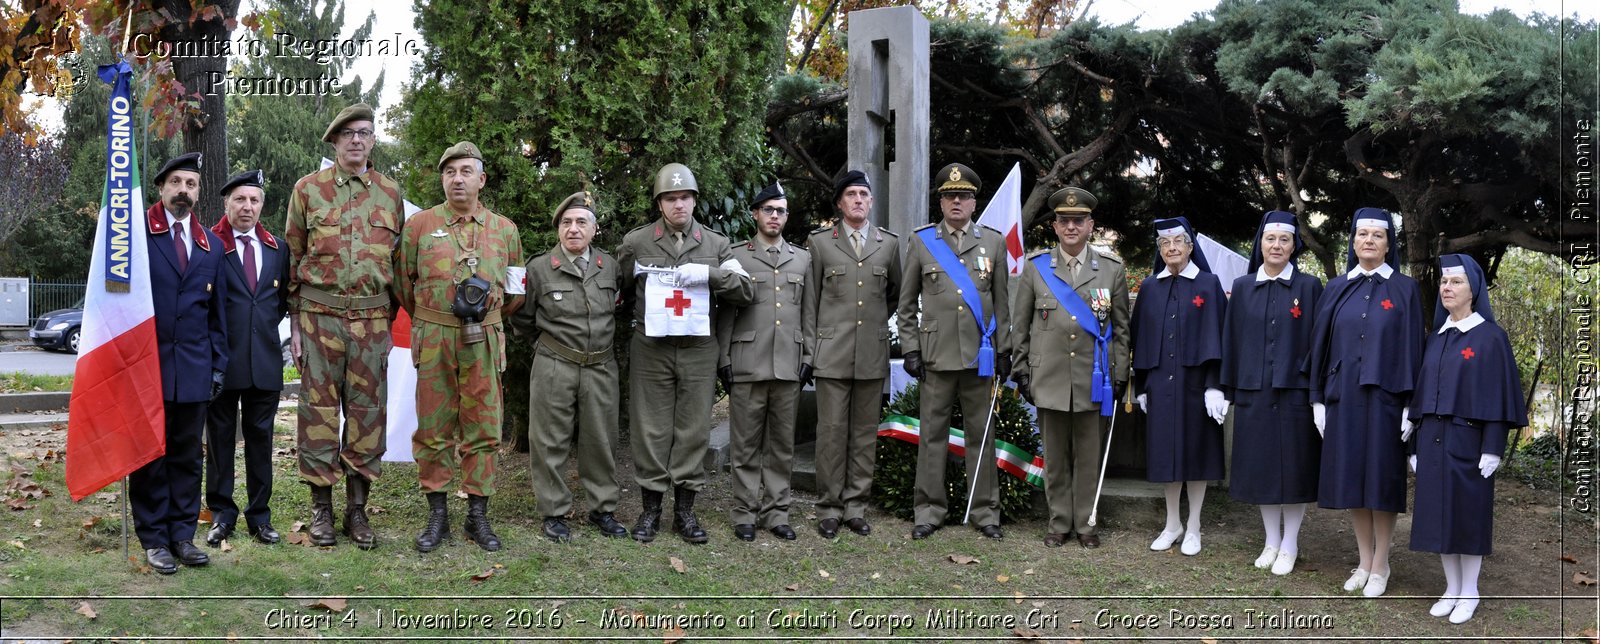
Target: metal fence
45,297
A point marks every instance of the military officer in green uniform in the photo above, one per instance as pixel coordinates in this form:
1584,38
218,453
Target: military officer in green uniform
955,325
1071,334
570,315
765,357
674,274
451,275
343,225
855,280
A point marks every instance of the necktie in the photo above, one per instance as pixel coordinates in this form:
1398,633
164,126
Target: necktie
1072,263
249,256
180,247
677,241
855,240
582,264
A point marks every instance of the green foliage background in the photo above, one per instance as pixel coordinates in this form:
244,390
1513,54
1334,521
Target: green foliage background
894,479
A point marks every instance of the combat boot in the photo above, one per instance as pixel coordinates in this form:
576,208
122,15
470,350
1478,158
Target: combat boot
322,533
355,512
438,528
683,519
477,527
644,530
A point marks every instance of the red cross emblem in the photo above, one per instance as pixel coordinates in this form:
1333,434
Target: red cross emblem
1295,312
678,303
1198,301
1387,305
1467,353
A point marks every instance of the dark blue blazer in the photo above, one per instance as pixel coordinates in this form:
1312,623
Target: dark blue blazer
190,321
255,352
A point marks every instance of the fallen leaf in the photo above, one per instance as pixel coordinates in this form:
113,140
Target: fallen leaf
480,577
226,547
678,565
1569,559
672,635
963,559
876,575
1208,640
360,588
232,636
86,610
17,544
1028,571
499,566
374,510
38,523
330,604
90,523
793,586
1592,634
19,503
1026,633
1580,578
822,573
298,526
108,497
297,538
1018,595
1002,578
1038,604
205,515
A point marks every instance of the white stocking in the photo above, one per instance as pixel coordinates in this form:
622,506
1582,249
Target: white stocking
1173,489
1197,498
1293,514
1270,515
1452,575
1471,565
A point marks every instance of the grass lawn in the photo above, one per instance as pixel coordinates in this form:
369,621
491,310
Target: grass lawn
17,382
60,562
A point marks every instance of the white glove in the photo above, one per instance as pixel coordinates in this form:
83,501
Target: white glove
1141,400
1216,405
691,275
733,265
1487,464
1405,424
1319,417
1412,459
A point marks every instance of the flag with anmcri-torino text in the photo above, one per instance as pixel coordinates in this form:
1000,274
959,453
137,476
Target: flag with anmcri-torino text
116,422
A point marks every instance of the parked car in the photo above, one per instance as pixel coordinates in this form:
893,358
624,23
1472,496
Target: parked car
58,330
283,339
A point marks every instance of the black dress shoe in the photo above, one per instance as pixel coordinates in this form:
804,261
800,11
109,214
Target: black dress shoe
859,526
745,532
189,554
219,531
607,523
923,531
161,560
784,532
265,534
1056,539
556,529
828,528
1089,540
992,532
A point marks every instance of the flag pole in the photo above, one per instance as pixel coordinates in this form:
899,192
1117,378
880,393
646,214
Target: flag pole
124,496
972,485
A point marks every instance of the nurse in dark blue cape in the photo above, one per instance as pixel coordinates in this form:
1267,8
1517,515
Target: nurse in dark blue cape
1468,397
1365,350
1177,357
1276,448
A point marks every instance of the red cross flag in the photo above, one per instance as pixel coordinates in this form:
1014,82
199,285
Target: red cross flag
1004,213
671,309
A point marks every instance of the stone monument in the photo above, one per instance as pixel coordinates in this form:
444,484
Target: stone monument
889,98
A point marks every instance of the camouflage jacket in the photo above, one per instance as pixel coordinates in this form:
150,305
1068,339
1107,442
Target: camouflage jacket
434,254
341,232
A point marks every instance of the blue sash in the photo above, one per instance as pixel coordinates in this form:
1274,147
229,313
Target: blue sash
1100,385
969,292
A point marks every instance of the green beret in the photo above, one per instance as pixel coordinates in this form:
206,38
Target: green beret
463,149
357,112
956,178
579,200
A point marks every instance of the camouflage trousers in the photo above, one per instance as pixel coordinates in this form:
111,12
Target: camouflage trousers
459,406
345,367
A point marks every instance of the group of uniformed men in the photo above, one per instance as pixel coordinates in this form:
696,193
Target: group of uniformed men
764,318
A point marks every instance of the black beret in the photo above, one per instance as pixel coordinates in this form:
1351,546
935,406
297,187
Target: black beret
254,178
190,162
851,178
774,191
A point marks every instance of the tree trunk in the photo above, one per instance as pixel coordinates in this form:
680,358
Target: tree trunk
207,131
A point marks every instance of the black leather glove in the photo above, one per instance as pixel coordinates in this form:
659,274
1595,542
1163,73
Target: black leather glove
216,384
1024,387
913,365
806,377
725,376
1002,366
1118,389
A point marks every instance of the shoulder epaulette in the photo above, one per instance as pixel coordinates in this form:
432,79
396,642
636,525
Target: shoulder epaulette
919,228
821,230
1042,251
996,230
890,232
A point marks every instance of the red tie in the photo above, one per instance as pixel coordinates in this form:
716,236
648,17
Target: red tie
249,263
183,250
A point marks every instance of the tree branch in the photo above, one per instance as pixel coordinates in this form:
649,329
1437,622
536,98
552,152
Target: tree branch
799,155
805,54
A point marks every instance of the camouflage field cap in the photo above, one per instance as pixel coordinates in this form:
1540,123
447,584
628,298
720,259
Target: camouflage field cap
673,177
956,178
357,112
463,149
579,200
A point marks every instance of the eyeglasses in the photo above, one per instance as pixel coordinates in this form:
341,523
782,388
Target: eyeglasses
348,133
771,210
958,196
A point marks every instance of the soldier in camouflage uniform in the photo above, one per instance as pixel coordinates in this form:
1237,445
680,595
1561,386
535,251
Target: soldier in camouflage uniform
943,342
573,390
765,356
672,378
342,228
452,278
